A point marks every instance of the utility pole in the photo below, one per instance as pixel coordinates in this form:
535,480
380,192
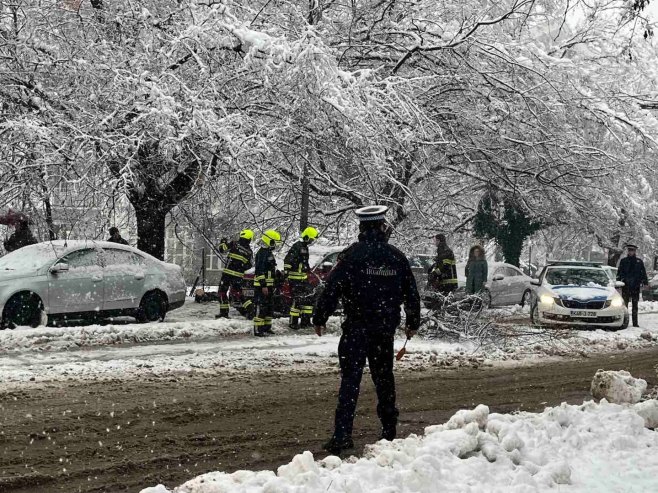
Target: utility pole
303,217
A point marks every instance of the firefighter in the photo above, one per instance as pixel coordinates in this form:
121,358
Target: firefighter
372,279
264,283
296,269
443,273
239,257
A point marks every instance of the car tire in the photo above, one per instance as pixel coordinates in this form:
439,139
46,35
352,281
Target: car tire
624,324
23,309
486,299
526,299
152,308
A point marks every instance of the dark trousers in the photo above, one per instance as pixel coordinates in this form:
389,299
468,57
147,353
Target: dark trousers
354,348
264,310
225,284
302,306
634,297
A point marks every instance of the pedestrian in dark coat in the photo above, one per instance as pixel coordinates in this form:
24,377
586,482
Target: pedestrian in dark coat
115,236
20,238
373,279
477,270
634,275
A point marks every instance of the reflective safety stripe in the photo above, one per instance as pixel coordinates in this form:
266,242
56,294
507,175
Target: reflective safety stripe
294,312
448,281
287,266
224,306
238,257
268,320
233,273
449,262
307,310
247,304
297,276
259,322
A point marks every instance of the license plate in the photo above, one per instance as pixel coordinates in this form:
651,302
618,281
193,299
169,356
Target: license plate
582,313
248,293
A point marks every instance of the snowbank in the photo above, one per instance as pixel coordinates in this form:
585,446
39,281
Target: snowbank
617,386
592,447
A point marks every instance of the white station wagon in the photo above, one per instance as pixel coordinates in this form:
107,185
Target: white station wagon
86,280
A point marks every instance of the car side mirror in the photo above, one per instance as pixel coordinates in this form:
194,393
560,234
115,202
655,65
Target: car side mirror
57,268
620,284
498,277
535,282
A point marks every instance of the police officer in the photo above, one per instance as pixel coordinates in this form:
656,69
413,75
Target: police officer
373,279
633,274
443,273
239,257
264,283
296,268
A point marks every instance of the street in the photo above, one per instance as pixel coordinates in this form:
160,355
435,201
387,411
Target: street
123,435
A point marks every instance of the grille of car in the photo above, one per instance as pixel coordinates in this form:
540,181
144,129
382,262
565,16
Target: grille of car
583,305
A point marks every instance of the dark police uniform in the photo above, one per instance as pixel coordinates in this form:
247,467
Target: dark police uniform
297,267
239,260
633,274
264,278
373,279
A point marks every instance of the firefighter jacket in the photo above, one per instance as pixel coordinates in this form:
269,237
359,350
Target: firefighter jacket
445,267
296,262
265,268
239,257
373,279
633,274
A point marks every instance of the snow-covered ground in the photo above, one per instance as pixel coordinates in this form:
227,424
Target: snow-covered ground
571,449
192,341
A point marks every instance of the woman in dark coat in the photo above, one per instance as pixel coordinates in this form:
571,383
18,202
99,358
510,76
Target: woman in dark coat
477,270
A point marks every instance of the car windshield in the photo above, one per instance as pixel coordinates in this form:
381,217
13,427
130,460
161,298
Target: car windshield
570,276
31,257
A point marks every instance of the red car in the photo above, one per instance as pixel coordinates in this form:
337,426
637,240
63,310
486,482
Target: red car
322,260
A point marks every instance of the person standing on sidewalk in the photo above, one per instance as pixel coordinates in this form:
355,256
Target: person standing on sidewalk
373,279
634,275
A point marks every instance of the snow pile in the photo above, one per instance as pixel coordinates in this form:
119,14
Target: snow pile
592,447
617,386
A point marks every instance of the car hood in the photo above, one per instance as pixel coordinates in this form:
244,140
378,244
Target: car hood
10,275
596,293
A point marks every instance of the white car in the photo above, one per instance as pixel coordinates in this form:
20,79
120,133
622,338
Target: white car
577,294
506,284
85,279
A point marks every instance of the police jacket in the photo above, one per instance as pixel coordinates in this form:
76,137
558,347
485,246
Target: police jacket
632,272
21,237
239,257
265,268
373,279
296,262
445,266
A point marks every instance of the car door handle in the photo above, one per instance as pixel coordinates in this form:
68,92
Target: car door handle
96,278
139,277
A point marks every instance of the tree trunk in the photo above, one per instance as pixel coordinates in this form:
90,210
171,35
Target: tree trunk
151,230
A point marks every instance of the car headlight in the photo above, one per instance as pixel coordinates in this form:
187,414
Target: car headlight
617,302
546,299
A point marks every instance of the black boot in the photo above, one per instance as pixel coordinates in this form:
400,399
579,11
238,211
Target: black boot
336,445
389,432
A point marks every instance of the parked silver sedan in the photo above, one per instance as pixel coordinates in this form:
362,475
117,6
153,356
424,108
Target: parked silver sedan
86,280
506,284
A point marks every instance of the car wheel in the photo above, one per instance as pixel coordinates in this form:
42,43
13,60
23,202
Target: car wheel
486,298
526,298
153,308
624,324
23,309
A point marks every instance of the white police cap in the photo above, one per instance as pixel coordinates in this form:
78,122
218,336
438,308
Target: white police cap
372,213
